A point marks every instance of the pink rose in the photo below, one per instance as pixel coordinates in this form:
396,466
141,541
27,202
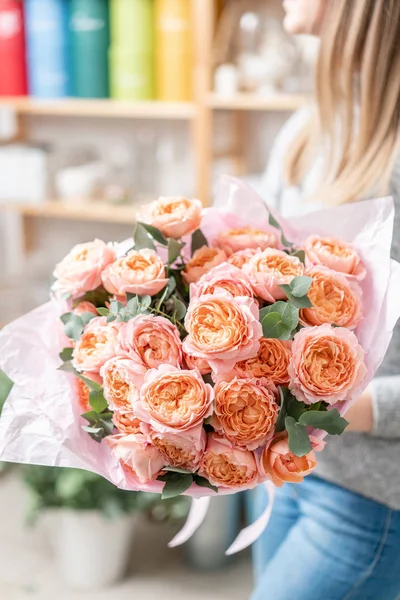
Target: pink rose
244,238
246,411
174,217
335,254
228,467
152,341
222,329
174,401
327,364
121,380
193,362
270,269
137,455
141,272
280,465
80,271
242,257
224,277
181,450
96,346
85,307
202,261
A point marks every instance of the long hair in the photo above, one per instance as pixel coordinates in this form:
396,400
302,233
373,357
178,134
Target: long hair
355,121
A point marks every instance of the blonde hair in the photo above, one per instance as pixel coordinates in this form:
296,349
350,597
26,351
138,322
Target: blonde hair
356,118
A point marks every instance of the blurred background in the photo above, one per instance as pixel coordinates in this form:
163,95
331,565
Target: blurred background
104,106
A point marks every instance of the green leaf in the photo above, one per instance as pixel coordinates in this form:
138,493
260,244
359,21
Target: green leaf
68,367
141,238
274,223
301,255
284,394
73,325
299,442
155,234
300,286
94,430
203,482
103,312
179,308
133,306
6,385
329,421
296,408
66,354
177,470
174,250
280,320
303,302
175,484
87,317
91,417
97,400
167,293
145,303
98,297
198,240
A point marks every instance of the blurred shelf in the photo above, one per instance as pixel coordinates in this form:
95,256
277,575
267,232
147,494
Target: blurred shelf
75,210
251,102
74,107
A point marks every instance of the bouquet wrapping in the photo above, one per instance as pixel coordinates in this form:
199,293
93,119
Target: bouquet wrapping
211,353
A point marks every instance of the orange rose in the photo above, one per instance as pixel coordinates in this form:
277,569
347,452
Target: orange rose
241,258
272,362
281,465
327,364
174,401
270,269
127,423
335,300
202,261
141,272
228,467
83,393
224,277
96,345
122,379
174,217
183,451
246,411
335,254
244,238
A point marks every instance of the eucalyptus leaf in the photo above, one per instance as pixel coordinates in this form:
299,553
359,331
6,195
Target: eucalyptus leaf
273,327
97,400
301,255
300,286
284,394
274,223
141,238
179,308
145,303
303,302
133,306
299,441
167,293
87,317
68,367
155,234
174,250
198,240
6,385
73,325
282,327
66,354
94,430
175,484
103,312
329,421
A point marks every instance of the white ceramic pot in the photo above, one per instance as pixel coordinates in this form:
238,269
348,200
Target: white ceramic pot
91,551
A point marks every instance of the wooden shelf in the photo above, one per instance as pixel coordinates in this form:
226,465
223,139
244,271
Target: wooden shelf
73,107
76,210
250,102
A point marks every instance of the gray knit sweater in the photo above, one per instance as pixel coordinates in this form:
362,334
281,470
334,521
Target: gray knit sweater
365,463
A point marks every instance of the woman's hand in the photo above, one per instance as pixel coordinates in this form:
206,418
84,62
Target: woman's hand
360,414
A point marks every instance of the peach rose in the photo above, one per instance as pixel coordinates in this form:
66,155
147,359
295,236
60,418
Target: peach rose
80,271
272,362
335,300
174,217
83,393
222,329
141,272
202,261
224,277
151,341
336,255
122,379
281,465
85,307
228,467
242,257
183,451
270,269
327,364
235,240
246,411
127,423
174,401
137,455
193,362
96,345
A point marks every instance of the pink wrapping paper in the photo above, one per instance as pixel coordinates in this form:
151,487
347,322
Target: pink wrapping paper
39,425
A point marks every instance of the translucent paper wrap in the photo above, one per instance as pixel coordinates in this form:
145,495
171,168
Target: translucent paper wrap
40,425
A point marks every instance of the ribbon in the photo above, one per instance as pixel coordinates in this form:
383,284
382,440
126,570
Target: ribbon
197,514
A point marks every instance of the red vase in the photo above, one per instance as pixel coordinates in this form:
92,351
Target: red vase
13,72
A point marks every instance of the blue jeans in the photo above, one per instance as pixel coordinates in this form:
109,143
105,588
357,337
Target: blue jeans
326,543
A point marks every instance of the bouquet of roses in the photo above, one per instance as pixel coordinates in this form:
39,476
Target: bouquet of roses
211,353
